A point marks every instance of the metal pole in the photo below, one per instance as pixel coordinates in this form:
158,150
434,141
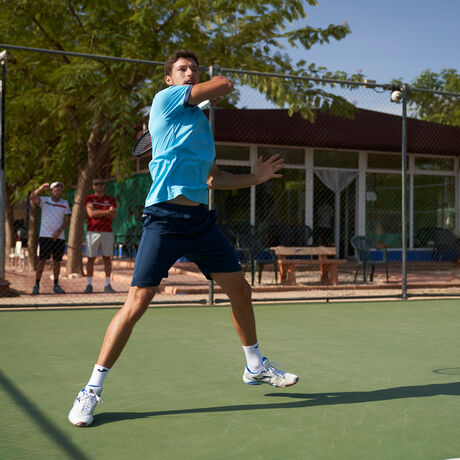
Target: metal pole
212,71
404,195
3,57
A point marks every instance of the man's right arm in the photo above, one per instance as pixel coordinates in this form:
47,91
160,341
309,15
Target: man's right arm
215,88
94,213
35,195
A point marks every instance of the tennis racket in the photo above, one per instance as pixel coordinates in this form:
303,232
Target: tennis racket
144,144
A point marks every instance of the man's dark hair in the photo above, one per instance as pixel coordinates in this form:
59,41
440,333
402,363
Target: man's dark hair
176,56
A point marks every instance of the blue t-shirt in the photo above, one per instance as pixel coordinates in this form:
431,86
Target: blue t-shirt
183,148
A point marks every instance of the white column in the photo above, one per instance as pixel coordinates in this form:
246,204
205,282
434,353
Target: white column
337,224
309,180
410,172
457,195
361,201
252,160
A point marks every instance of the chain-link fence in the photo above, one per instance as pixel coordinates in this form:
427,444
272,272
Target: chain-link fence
342,189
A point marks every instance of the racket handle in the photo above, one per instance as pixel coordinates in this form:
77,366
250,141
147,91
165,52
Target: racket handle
205,104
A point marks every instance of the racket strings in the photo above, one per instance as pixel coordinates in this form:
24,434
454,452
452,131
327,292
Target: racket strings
143,145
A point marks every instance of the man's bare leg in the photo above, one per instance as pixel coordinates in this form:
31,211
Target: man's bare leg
40,267
90,266
258,370
116,337
122,324
239,292
107,265
56,269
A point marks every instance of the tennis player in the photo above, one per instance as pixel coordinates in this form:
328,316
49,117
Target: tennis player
178,223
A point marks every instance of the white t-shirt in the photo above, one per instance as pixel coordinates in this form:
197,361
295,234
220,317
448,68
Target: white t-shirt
53,213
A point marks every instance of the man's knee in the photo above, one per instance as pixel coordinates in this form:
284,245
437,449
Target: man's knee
137,302
40,264
241,290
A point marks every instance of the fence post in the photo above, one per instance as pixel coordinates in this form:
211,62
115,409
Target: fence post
3,58
404,195
212,71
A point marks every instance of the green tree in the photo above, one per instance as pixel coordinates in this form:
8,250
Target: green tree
76,115
435,107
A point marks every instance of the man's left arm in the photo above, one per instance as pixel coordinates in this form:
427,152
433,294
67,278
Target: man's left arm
112,211
263,171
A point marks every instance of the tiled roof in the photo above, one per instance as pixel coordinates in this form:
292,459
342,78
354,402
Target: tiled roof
368,130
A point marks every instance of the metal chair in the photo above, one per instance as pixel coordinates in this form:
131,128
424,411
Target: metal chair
130,242
19,255
363,247
253,251
446,246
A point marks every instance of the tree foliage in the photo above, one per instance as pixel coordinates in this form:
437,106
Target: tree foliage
437,107
68,116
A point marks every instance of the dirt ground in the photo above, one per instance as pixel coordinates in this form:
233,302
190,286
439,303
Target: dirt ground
185,284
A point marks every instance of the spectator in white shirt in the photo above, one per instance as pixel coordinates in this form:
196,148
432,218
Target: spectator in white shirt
55,219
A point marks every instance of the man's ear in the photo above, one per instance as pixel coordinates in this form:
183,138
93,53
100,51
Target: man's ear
168,80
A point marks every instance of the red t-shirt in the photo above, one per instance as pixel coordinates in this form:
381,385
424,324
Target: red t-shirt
100,224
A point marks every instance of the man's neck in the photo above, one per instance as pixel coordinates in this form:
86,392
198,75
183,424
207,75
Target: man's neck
99,195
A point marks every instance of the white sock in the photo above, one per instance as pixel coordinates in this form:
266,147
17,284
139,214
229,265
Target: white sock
98,376
253,358
107,280
89,280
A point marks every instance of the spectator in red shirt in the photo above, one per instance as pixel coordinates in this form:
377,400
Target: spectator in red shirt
101,210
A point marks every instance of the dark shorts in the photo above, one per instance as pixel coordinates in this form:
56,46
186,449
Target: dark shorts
49,247
173,231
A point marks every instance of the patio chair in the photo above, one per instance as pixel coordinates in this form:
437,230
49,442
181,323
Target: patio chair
364,246
130,241
300,235
253,251
19,255
288,235
446,246
443,241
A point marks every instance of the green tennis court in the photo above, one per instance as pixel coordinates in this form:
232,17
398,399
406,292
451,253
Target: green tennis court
378,380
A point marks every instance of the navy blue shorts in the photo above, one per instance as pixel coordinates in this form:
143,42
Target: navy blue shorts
173,231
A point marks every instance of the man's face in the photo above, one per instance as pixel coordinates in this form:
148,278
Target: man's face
184,72
98,186
56,192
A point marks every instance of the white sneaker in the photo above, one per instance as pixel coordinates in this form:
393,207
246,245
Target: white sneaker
270,375
81,413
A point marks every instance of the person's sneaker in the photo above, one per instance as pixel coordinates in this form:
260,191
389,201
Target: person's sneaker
36,290
58,290
109,288
88,290
83,407
270,375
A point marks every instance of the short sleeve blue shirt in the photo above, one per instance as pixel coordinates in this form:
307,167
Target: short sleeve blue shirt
183,148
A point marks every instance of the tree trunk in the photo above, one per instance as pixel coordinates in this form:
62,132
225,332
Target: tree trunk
98,152
75,243
32,237
10,234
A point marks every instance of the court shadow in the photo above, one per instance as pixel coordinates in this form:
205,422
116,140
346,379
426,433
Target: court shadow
41,420
298,400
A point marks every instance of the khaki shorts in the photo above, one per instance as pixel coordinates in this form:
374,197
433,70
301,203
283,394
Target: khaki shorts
96,240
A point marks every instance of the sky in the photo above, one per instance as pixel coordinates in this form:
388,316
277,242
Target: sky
390,39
